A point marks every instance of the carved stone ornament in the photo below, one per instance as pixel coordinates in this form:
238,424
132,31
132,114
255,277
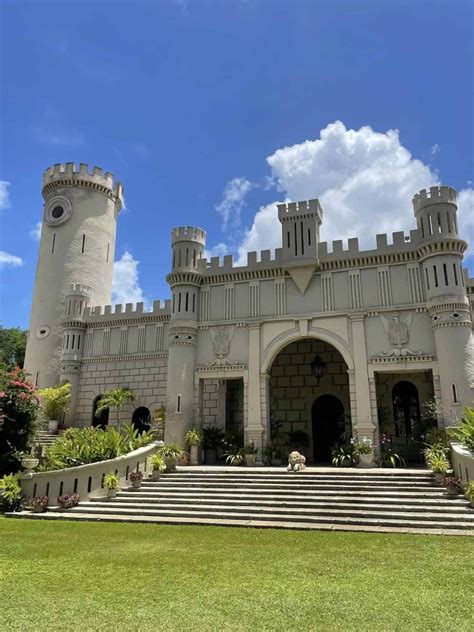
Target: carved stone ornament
221,340
398,330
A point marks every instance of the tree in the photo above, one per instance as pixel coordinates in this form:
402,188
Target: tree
12,346
115,398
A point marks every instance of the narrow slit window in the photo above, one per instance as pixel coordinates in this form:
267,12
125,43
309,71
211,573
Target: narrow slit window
54,242
37,378
179,258
194,301
455,274
174,259
422,228
430,224
288,239
108,249
445,271
296,241
79,341
427,279
179,302
455,223
174,303
455,393
83,242
194,258
187,257
187,302
178,404
309,237
302,238
440,230
435,272
67,342
448,216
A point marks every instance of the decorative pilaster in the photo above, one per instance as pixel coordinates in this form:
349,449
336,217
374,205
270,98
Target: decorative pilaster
362,424
254,427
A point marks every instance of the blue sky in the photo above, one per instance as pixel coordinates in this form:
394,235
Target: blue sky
209,112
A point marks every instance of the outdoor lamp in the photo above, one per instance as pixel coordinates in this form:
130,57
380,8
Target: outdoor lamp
318,368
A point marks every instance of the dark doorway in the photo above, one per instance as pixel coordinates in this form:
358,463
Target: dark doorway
141,419
102,420
328,426
406,408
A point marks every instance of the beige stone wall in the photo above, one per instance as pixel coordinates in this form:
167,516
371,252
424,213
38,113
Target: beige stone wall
147,377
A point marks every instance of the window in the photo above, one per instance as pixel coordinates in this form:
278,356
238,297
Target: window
435,272
83,243
54,242
455,273
178,404
101,420
406,408
445,271
141,419
427,279
57,212
454,391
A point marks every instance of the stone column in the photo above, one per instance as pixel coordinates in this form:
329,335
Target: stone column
363,424
254,429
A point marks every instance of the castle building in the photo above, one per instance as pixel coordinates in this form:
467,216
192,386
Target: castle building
315,339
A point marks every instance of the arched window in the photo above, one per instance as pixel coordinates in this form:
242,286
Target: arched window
103,419
406,408
141,419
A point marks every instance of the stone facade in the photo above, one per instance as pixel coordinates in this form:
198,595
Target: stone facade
234,345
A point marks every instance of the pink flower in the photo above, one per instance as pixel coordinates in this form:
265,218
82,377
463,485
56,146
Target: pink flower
2,393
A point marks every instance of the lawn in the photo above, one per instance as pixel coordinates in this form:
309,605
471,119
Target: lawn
92,576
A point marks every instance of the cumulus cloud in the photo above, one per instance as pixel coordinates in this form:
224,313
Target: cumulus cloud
219,250
233,200
364,179
466,221
4,194
35,232
435,149
6,259
125,284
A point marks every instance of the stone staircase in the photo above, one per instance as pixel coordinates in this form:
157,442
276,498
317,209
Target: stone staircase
45,438
319,498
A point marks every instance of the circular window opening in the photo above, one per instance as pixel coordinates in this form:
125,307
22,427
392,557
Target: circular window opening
43,332
455,315
57,212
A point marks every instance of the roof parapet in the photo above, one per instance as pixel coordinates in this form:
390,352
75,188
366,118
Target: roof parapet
288,210
129,310
188,233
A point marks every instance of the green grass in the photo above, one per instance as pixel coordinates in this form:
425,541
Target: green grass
92,576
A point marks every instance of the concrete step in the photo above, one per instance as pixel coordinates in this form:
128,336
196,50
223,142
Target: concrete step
453,505
295,487
391,519
300,480
252,523
374,510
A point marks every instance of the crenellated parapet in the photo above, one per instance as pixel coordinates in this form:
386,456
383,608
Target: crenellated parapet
188,233
435,195
66,174
108,315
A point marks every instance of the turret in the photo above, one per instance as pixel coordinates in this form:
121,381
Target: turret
77,247
441,253
188,245
300,222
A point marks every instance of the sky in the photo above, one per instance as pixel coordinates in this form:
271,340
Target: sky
210,112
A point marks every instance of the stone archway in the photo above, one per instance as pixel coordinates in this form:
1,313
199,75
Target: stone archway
328,425
293,389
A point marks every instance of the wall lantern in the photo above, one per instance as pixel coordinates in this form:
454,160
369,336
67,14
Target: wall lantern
318,368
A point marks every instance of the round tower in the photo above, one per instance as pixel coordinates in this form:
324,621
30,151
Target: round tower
77,247
441,254
188,245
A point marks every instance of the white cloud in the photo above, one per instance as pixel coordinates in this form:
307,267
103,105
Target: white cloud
364,179
233,200
4,194
6,259
466,215
435,149
125,285
219,250
35,232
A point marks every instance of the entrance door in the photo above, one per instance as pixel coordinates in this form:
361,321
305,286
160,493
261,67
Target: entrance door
328,426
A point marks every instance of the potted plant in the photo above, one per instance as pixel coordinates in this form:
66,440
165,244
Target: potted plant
170,453
136,479
365,452
66,501
39,504
29,462
112,484
158,465
343,456
183,458
234,455
193,438
250,454
55,401
452,484
212,438
388,457
469,493
440,465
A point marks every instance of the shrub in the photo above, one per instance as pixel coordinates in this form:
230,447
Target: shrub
40,501
66,501
388,457
112,481
19,411
212,437
435,455
249,448
170,451
11,492
55,400
364,446
80,446
469,491
452,481
157,462
465,432
135,476
193,436
341,454
438,463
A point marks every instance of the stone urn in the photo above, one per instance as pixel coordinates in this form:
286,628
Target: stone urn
366,460
29,462
112,492
250,460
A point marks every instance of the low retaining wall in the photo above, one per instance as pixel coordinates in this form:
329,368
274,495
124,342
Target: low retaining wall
462,461
87,480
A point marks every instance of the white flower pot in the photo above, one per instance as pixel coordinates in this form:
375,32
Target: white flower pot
366,460
155,475
136,484
111,493
29,463
194,460
53,425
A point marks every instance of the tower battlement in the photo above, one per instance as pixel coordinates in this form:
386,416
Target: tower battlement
66,174
288,211
435,195
78,289
188,233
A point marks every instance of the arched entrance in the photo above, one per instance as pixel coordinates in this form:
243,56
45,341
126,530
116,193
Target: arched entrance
102,420
327,416
406,408
293,388
141,419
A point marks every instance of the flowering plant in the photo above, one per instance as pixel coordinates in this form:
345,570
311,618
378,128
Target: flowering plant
68,500
364,446
40,501
452,481
19,410
135,476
